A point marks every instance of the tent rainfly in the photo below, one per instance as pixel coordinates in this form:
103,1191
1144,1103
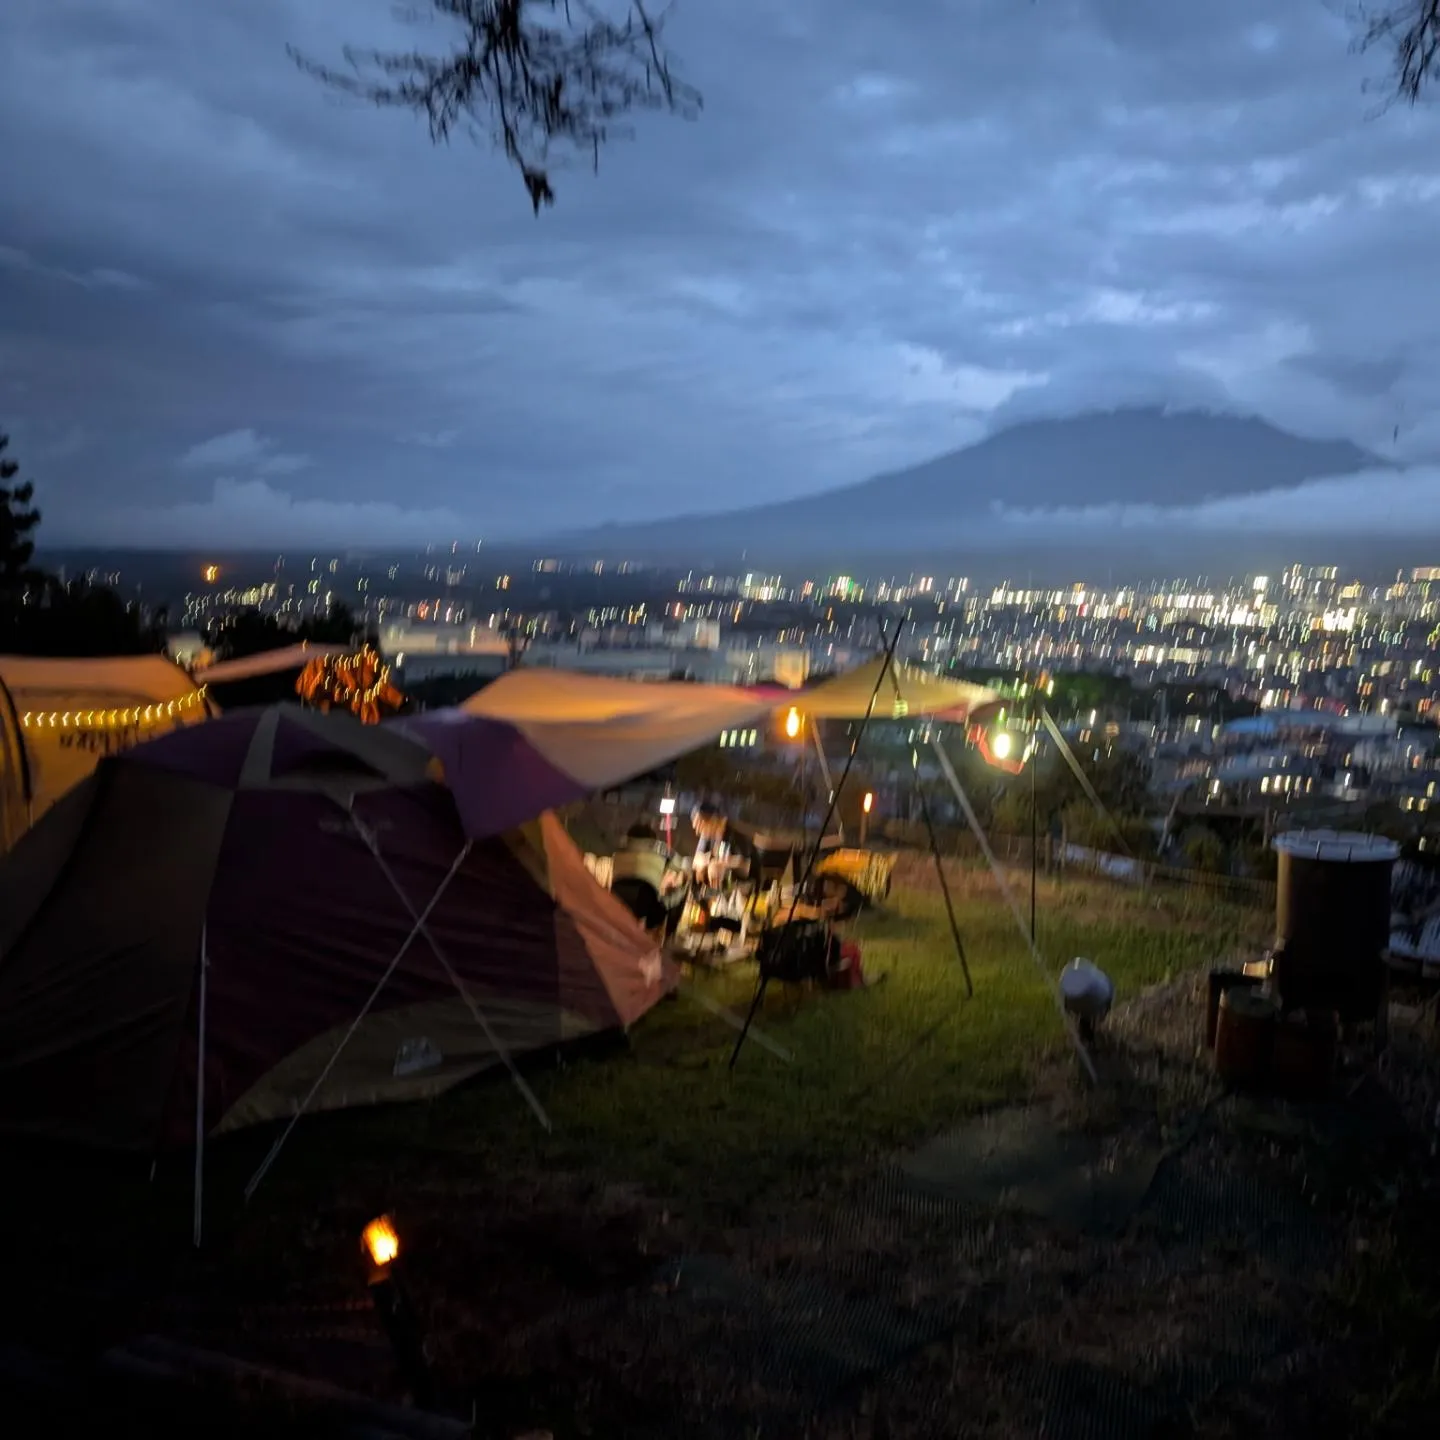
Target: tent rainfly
59,717
278,912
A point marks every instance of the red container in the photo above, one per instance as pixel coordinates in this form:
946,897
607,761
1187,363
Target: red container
1244,1037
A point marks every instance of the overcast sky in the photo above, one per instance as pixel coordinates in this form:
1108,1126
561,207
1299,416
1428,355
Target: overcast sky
233,309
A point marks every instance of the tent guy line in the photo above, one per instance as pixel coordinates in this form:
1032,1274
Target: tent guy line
983,840
374,995
887,665
506,1059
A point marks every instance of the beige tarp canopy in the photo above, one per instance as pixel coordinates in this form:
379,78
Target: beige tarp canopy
58,717
601,732
847,696
267,662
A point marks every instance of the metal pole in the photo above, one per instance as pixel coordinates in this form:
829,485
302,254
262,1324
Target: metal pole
200,1094
1034,814
935,856
940,874
813,857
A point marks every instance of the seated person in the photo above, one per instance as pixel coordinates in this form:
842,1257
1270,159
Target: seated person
718,853
646,878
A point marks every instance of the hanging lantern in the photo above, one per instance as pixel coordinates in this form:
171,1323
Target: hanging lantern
359,683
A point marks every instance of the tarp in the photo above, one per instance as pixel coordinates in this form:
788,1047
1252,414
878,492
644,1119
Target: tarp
920,693
239,840
59,717
541,739
267,662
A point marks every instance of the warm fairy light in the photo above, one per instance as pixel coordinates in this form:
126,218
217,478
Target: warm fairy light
792,723
112,719
380,1241
359,683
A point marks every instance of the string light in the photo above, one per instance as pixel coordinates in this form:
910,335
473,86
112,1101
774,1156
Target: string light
359,683
126,719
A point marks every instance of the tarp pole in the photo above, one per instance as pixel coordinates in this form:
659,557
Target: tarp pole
200,1090
355,1024
980,836
824,767
1078,770
813,857
935,850
477,1014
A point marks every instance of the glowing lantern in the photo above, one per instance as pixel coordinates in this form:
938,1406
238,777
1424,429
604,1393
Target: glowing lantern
867,804
1002,744
792,724
359,683
381,1242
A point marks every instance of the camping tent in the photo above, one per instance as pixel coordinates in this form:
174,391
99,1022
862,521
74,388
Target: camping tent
58,717
193,935
538,739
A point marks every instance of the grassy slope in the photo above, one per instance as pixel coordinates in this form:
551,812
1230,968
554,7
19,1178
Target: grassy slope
871,1070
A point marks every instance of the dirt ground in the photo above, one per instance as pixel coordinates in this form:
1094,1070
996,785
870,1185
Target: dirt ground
1283,1275
572,1309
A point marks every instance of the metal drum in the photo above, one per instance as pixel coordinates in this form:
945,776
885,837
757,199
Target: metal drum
1244,1037
1332,920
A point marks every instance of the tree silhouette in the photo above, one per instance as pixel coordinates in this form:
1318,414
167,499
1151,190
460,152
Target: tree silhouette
41,616
538,76
18,519
1411,29
252,632
78,620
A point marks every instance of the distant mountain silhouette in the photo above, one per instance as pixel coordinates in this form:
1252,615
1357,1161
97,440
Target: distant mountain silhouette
1127,456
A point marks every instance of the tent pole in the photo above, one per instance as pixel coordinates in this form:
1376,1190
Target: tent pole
824,767
814,855
1034,816
980,836
1078,770
935,855
374,995
200,1090
476,1013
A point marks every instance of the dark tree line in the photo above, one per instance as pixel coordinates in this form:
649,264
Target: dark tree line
252,632
42,615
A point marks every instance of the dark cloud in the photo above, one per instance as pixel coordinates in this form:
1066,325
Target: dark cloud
893,228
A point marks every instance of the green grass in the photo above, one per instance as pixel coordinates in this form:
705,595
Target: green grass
871,1069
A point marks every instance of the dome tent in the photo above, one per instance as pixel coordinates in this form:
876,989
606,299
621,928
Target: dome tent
280,911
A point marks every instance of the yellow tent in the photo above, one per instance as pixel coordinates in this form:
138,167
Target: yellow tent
58,717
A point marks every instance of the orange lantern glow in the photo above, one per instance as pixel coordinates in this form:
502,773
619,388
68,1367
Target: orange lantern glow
381,1242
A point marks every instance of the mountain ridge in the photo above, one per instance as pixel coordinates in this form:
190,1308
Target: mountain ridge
1098,458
